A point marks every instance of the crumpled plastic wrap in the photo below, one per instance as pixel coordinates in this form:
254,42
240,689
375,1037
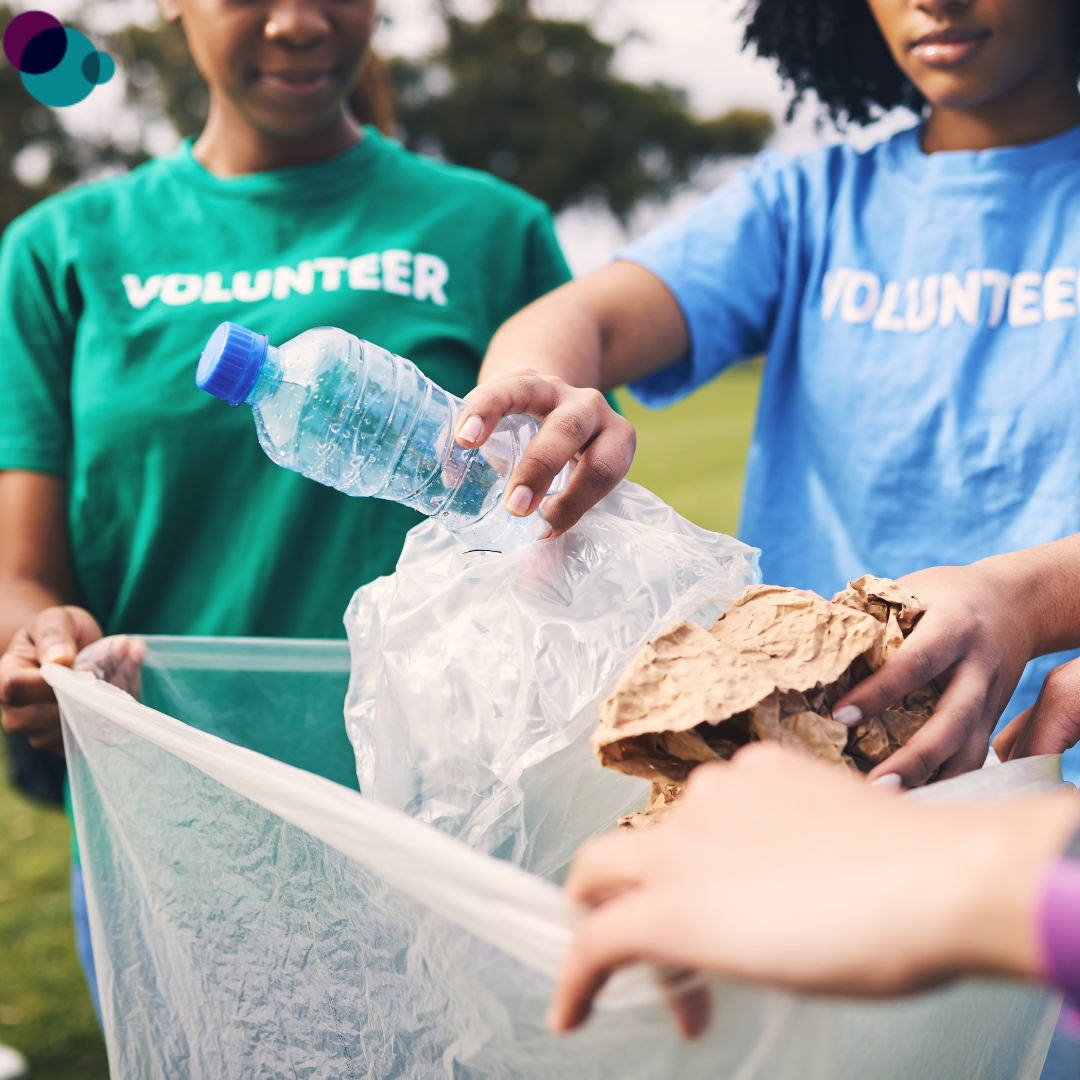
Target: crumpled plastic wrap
477,675
253,919
771,667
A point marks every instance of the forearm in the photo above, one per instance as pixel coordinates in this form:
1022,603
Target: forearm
20,600
560,334
35,563
602,331
988,914
1042,586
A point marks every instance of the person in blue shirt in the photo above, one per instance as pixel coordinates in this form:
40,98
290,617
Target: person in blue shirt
916,304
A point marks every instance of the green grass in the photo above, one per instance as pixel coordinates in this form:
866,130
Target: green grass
45,1009
692,455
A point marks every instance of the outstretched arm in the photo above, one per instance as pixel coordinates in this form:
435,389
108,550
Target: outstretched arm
823,885
551,360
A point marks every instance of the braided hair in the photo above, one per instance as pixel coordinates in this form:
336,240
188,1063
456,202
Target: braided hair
834,48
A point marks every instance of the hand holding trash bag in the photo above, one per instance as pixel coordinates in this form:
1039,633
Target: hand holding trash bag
982,624
777,869
59,635
56,636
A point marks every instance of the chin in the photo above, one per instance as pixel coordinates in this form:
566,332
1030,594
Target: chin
292,126
958,93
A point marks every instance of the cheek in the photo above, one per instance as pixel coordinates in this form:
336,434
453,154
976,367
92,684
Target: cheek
222,43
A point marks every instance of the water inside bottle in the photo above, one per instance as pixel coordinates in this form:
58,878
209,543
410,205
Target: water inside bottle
350,415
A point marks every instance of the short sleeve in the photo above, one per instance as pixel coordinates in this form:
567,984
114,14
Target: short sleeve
547,266
37,333
724,262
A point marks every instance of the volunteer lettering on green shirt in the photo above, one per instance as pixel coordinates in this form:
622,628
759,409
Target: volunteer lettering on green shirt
179,523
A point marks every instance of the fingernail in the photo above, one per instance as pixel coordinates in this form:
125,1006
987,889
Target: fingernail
520,500
56,652
470,430
889,782
848,715
546,533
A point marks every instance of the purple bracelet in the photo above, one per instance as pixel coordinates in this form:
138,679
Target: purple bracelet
1059,927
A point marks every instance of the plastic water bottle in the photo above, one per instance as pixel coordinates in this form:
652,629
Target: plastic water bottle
357,418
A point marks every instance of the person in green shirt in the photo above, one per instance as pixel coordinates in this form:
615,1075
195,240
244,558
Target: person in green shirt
130,501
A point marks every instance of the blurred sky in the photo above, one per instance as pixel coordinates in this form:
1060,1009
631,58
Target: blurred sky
690,43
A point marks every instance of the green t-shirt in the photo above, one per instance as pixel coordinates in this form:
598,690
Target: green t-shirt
179,523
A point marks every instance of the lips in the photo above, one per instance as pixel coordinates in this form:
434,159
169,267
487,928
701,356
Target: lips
297,83
949,48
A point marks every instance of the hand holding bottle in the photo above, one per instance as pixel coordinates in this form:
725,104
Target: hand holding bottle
577,425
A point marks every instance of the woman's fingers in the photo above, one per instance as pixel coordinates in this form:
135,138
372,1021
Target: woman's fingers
615,934
39,724
117,660
522,391
957,716
691,1007
1052,724
55,635
925,654
1006,738
603,464
577,424
972,755
608,865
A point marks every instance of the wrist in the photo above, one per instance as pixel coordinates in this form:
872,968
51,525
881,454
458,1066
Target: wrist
1058,926
995,887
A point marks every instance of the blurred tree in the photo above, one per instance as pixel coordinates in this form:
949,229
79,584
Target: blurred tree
39,157
163,91
536,102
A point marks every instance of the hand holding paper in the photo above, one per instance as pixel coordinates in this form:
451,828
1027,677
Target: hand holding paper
982,624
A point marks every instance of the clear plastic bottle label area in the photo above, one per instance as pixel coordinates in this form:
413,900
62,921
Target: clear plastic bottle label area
355,417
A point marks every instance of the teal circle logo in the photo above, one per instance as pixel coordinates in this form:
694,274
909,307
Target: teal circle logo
59,66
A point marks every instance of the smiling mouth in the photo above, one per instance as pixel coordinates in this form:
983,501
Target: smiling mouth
949,48
297,83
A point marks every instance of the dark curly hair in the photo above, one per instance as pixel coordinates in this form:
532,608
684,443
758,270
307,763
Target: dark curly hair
834,47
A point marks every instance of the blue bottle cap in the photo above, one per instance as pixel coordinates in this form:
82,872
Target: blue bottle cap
230,364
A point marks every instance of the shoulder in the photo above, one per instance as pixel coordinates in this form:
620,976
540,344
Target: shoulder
824,164
457,185
84,205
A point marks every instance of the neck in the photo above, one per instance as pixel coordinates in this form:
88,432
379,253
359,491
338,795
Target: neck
1044,107
230,146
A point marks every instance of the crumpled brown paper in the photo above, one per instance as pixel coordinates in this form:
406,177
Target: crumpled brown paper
771,667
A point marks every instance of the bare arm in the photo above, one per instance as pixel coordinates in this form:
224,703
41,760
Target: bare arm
37,592
913,896
551,360
602,331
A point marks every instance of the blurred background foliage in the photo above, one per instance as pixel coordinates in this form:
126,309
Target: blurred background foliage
532,100
536,102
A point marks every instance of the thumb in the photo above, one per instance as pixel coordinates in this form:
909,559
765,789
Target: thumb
59,633
922,657
1006,738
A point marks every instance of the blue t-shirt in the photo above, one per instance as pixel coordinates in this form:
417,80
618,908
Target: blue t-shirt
920,403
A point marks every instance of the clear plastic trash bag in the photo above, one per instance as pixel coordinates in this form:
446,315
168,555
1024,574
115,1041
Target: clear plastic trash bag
477,675
254,919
